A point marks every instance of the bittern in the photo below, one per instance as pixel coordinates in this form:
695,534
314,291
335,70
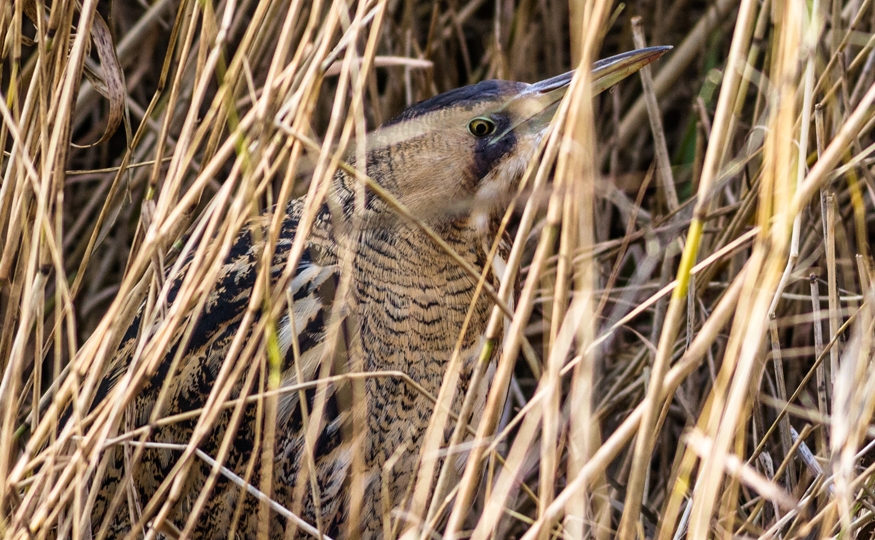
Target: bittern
406,302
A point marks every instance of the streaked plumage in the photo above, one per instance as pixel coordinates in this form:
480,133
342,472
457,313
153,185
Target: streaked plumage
404,311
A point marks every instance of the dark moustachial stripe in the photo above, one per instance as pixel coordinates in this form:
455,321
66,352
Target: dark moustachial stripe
489,151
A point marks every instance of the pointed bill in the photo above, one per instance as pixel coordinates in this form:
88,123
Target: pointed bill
537,103
608,72
605,73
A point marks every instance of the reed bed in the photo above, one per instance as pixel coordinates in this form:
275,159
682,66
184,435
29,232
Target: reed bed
691,347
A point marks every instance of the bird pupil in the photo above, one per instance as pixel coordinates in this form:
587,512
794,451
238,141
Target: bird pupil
480,127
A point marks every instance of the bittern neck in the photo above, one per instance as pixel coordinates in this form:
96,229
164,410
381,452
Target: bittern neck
367,211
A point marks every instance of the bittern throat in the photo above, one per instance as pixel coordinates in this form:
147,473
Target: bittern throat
405,303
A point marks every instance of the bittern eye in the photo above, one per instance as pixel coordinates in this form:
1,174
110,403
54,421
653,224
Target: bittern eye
481,127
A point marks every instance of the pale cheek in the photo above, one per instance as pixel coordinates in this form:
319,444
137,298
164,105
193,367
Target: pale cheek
502,178
497,185
495,190
509,171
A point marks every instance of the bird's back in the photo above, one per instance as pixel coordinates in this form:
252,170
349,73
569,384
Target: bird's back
189,382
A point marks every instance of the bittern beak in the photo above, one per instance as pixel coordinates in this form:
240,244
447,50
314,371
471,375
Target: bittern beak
536,104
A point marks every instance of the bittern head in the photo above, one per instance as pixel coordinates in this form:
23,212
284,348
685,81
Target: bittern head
473,144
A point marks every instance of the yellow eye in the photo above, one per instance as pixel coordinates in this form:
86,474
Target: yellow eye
481,127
